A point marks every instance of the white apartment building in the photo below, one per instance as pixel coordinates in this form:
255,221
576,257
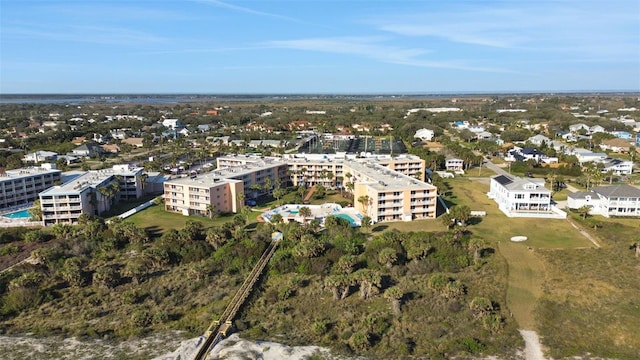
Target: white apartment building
519,197
93,192
20,187
616,200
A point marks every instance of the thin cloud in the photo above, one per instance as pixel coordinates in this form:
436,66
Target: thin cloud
246,10
85,34
371,47
549,26
115,12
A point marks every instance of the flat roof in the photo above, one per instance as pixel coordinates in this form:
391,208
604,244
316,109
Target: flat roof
26,172
387,179
91,178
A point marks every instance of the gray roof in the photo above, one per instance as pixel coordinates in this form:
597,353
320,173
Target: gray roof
622,190
580,195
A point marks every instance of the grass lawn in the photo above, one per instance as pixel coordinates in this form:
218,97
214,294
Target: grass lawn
496,226
157,220
478,172
526,275
561,195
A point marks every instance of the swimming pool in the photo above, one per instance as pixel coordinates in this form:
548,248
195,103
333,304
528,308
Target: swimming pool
348,218
22,214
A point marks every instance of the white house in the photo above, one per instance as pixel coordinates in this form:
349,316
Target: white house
90,150
39,156
578,127
520,197
539,139
424,134
616,200
585,155
454,164
596,129
172,124
617,166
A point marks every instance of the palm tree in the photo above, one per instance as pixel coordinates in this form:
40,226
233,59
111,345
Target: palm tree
584,211
211,210
636,246
369,281
276,219
346,264
305,212
476,245
387,256
365,222
481,307
461,213
365,201
35,210
394,294
447,220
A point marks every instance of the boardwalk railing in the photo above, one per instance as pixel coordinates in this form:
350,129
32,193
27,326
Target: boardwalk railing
219,328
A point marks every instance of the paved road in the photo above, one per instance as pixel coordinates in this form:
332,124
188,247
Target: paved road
497,169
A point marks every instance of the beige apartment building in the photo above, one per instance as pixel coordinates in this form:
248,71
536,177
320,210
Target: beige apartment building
20,187
224,189
203,195
387,195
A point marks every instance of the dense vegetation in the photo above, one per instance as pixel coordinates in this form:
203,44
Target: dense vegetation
339,287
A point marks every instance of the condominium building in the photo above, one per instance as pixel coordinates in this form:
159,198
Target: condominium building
329,170
393,185
259,175
223,189
387,195
93,192
203,195
20,187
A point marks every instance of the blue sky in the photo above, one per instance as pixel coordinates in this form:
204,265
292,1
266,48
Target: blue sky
318,46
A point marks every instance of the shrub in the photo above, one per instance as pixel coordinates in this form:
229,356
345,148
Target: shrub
141,318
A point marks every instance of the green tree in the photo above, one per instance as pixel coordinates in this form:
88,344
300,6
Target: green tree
369,281
387,256
365,201
360,342
394,295
366,222
72,272
106,276
584,211
476,245
305,212
480,307
36,210
346,264
461,213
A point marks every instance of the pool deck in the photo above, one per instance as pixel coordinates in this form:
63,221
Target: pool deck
289,213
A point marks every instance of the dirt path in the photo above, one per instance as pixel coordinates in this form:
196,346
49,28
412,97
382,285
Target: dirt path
533,348
526,274
584,233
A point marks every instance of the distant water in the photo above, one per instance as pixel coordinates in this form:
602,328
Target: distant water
76,99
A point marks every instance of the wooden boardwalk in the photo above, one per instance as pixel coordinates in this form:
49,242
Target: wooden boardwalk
219,328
